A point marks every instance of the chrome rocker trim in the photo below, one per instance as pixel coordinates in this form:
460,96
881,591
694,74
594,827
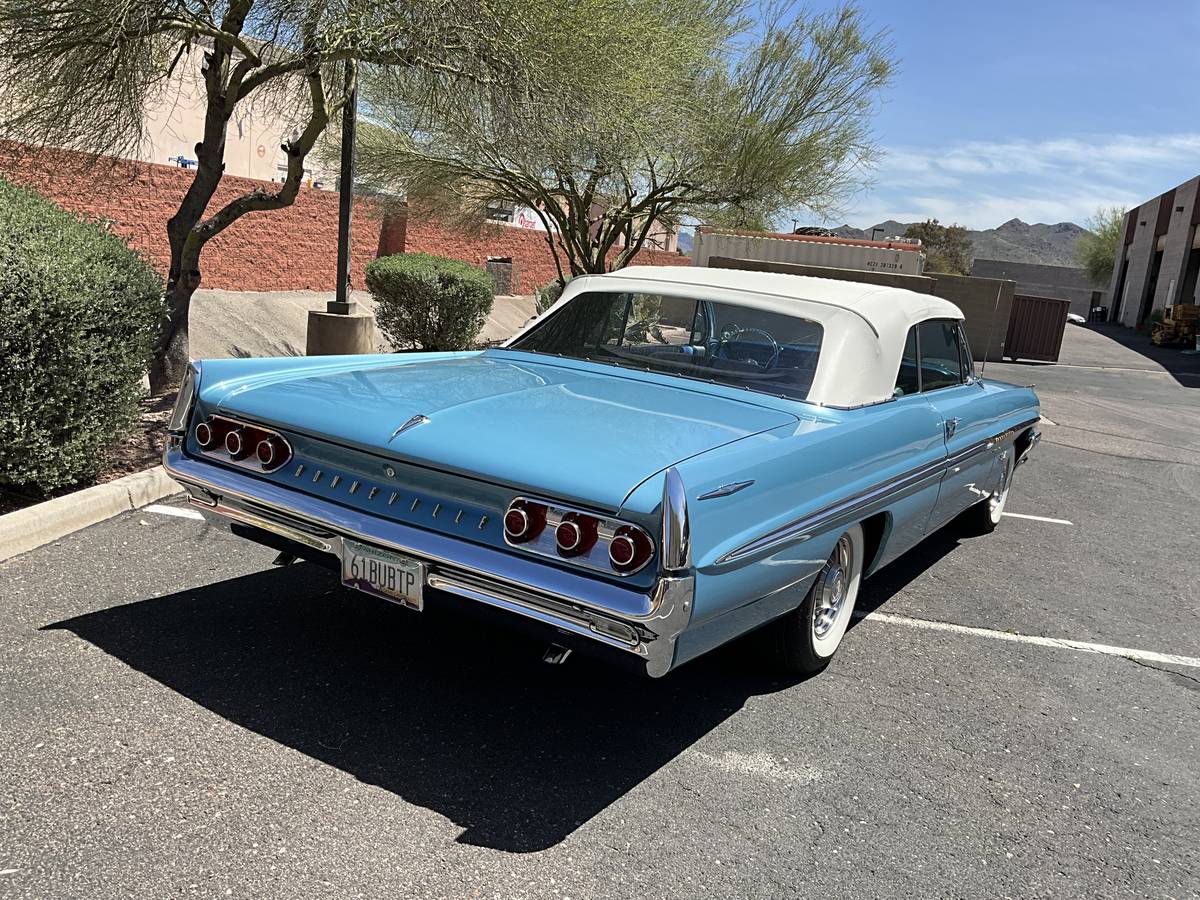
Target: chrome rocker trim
646,625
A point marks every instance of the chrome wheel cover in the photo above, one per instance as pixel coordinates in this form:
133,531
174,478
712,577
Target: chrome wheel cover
832,587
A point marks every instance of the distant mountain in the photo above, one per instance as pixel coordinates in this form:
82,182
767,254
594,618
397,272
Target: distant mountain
685,238
1014,241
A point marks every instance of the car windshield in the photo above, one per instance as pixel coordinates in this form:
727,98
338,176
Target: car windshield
725,343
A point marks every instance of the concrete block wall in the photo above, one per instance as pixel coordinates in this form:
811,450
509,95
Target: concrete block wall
1178,246
986,304
1037,280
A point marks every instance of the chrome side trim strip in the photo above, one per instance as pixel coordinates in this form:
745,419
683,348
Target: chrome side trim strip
803,528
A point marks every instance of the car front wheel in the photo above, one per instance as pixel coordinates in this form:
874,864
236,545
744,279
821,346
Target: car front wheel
805,639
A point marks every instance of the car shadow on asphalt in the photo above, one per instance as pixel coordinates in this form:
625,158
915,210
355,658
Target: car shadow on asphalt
445,712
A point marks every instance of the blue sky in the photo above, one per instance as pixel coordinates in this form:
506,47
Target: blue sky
1038,111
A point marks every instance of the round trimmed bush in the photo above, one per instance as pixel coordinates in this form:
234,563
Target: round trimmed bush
429,302
78,315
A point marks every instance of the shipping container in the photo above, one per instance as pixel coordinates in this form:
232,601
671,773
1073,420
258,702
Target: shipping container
897,257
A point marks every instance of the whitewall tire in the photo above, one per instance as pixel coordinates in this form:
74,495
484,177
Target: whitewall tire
806,638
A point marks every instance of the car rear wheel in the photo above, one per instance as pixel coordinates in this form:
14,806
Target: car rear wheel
805,639
984,516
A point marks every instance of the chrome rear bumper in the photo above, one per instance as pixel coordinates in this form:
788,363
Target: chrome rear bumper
645,625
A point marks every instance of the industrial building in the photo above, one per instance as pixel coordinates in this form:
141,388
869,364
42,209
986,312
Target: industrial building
1159,258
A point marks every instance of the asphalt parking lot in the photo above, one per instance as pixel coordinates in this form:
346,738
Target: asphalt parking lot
178,718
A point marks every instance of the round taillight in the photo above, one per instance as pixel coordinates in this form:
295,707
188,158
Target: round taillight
234,445
622,551
629,549
524,521
204,435
265,452
576,534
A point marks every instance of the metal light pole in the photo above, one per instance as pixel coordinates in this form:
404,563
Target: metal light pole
346,192
341,329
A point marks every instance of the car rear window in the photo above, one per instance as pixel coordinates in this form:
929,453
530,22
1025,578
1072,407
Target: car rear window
760,350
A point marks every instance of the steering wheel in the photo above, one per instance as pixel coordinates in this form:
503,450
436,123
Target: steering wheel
733,331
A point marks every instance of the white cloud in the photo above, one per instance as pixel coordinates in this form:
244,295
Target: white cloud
1062,179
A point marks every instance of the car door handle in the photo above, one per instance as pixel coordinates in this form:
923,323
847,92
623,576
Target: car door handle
951,427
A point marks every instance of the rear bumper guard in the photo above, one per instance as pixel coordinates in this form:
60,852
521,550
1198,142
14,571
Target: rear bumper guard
645,625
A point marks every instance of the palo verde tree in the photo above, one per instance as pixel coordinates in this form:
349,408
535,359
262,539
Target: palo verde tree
79,74
948,248
1096,250
738,115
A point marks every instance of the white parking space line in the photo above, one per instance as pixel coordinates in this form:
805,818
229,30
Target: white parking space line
173,511
1009,515
1170,659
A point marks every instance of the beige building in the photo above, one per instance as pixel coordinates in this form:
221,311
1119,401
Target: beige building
1158,262
175,123
661,237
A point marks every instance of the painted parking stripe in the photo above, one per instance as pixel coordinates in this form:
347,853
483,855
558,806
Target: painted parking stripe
1170,659
173,511
1036,518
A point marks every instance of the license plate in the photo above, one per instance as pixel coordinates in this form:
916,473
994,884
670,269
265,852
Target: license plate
383,574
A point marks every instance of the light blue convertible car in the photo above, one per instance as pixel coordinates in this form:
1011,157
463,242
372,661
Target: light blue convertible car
665,460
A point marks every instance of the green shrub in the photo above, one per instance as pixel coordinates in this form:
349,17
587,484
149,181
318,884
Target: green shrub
547,295
78,313
429,302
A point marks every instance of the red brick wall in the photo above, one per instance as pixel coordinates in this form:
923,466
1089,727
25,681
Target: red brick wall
288,249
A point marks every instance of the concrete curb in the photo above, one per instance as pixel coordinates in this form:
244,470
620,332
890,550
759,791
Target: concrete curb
34,526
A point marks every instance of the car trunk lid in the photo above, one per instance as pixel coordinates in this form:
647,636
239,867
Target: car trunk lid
584,433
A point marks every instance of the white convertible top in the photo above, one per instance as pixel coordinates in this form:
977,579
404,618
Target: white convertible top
865,325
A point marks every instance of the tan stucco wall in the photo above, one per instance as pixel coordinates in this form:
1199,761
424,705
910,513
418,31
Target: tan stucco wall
175,123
